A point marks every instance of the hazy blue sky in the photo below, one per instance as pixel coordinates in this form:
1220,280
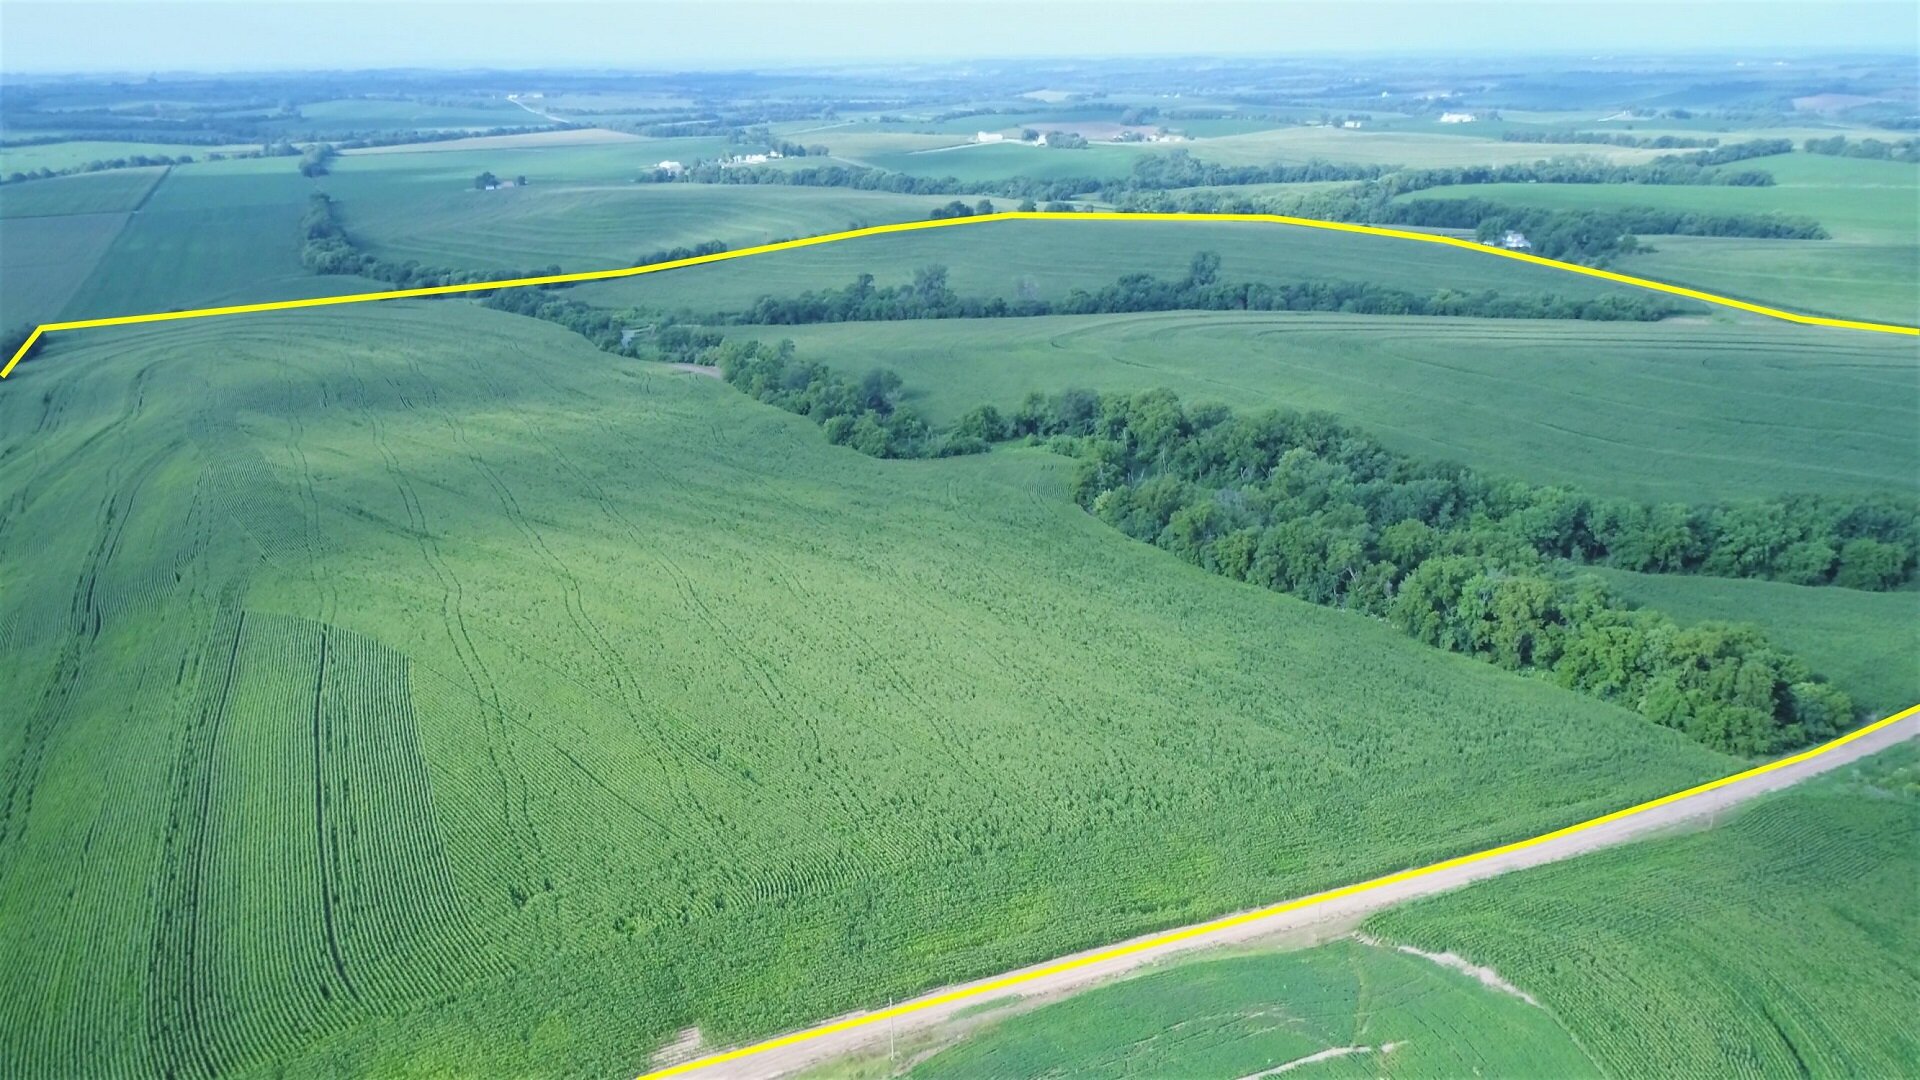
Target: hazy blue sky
41,35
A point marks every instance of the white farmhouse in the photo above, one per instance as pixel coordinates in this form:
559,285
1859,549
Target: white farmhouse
989,137
672,168
1457,118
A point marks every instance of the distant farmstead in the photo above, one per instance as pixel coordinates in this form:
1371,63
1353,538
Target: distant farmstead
1515,241
672,168
989,137
1457,118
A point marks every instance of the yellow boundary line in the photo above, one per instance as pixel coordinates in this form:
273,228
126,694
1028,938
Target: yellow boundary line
1257,915
980,219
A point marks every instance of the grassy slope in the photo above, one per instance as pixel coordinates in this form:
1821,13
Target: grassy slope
1867,643
1244,1015
1051,258
1783,942
629,697
1870,269
1678,411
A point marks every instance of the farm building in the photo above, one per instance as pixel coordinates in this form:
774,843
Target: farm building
672,167
989,137
1457,118
1515,241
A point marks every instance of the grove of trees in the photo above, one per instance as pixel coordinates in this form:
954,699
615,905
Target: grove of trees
1301,504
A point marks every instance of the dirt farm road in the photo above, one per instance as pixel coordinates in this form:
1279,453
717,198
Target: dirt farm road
851,1034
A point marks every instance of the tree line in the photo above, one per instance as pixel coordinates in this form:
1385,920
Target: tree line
130,161
929,296
864,414
1590,236
1604,138
1874,149
1301,504
1152,172
327,249
1178,169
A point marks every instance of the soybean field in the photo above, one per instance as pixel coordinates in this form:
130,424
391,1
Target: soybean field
459,692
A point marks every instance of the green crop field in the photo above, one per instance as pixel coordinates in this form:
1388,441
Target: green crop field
532,140
55,233
997,161
1868,643
1295,145
66,155
212,233
1782,943
1822,277
1859,201
87,193
593,228
597,162
45,260
1870,269
414,688
1050,258
1679,411
376,114
1340,1010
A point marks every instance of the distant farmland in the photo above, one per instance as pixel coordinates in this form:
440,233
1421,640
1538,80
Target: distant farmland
1048,259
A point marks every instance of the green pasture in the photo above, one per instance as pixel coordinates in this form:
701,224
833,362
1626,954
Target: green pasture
1869,270
379,114
1000,161
1297,145
66,155
1681,411
1867,643
1340,1010
1874,282
595,227
114,191
1781,943
1858,200
580,163
412,688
